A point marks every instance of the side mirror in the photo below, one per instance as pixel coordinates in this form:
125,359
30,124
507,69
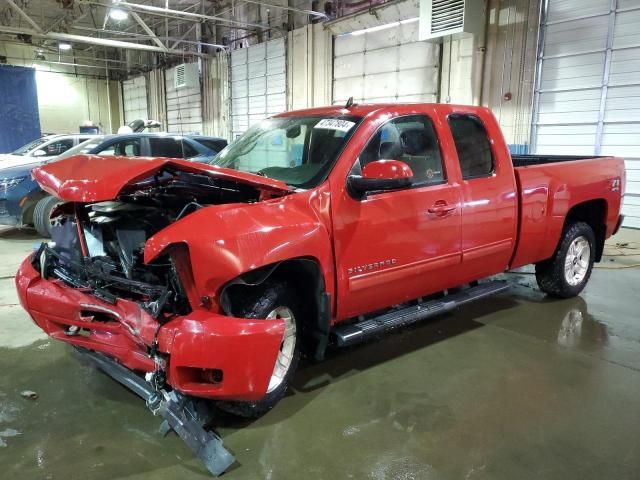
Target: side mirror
381,175
39,153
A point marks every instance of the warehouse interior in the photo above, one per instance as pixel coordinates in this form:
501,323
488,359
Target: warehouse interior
518,385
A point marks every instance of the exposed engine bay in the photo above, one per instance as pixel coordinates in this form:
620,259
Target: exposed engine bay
99,247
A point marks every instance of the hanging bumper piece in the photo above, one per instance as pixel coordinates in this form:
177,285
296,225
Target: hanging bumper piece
180,413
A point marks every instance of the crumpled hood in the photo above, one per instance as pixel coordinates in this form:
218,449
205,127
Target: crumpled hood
91,178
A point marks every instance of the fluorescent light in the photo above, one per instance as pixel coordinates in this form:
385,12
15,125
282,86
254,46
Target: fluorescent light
377,28
118,14
64,46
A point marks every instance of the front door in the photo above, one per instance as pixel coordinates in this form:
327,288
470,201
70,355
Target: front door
394,246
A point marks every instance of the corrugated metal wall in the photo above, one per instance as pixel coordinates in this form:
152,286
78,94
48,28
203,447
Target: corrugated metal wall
258,83
309,67
134,99
588,90
387,65
184,106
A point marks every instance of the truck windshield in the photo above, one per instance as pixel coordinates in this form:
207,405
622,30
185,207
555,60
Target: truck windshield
299,151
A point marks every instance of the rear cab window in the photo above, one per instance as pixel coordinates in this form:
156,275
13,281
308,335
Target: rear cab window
472,145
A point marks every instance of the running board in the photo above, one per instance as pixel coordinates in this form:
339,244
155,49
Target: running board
180,413
360,331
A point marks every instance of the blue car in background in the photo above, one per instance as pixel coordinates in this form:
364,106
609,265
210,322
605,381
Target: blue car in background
23,202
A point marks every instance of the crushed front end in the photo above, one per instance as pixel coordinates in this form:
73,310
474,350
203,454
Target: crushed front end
91,287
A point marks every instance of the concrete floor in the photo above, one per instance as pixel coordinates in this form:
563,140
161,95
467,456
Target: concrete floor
514,387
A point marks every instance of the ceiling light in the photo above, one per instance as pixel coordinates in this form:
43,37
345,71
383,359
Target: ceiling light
64,46
118,14
377,28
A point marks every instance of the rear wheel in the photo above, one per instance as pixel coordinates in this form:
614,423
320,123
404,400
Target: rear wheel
568,271
273,300
42,215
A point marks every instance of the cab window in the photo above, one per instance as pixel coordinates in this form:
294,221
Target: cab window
412,140
171,148
472,146
58,147
123,148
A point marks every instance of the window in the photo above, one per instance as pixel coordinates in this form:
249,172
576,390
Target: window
29,146
188,151
214,145
124,148
412,140
299,151
472,145
166,147
56,148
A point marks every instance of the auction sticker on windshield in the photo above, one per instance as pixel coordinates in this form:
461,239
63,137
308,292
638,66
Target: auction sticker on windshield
335,124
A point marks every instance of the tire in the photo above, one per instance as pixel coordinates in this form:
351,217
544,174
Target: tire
272,296
42,215
566,273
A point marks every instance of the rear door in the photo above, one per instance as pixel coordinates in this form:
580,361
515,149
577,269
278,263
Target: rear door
489,197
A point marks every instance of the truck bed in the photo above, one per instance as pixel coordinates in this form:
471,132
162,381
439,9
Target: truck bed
528,160
548,187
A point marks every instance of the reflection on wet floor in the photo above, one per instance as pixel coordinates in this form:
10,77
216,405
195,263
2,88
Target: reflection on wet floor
514,387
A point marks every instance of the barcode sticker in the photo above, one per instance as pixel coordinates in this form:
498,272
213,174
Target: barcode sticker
335,124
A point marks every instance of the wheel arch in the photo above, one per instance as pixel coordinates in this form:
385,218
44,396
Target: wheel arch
593,213
306,276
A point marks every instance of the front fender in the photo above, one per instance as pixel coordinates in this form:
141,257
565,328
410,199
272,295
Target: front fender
225,241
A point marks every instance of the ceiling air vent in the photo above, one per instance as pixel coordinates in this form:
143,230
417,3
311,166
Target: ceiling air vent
440,18
186,75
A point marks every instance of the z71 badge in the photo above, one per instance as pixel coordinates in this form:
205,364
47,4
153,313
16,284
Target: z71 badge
371,266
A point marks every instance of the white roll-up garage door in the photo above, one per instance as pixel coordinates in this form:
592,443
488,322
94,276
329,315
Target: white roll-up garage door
258,84
588,90
385,64
134,99
184,106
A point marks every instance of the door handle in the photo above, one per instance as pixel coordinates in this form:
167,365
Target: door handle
441,208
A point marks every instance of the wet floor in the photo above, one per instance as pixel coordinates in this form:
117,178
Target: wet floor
513,387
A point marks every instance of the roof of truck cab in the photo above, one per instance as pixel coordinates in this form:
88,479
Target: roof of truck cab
362,110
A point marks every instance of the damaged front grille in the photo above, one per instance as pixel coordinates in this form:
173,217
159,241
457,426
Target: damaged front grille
112,265
99,247
96,277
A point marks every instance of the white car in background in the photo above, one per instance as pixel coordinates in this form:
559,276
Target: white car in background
41,149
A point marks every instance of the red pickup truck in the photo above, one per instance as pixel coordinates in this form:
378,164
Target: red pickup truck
317,227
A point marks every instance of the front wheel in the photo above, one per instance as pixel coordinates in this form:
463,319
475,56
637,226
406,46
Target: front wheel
42,215
273,300
566,273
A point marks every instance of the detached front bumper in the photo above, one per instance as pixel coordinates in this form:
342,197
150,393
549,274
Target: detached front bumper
206,354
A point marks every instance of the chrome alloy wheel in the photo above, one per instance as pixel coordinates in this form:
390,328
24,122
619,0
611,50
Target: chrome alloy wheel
576,263
287,347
